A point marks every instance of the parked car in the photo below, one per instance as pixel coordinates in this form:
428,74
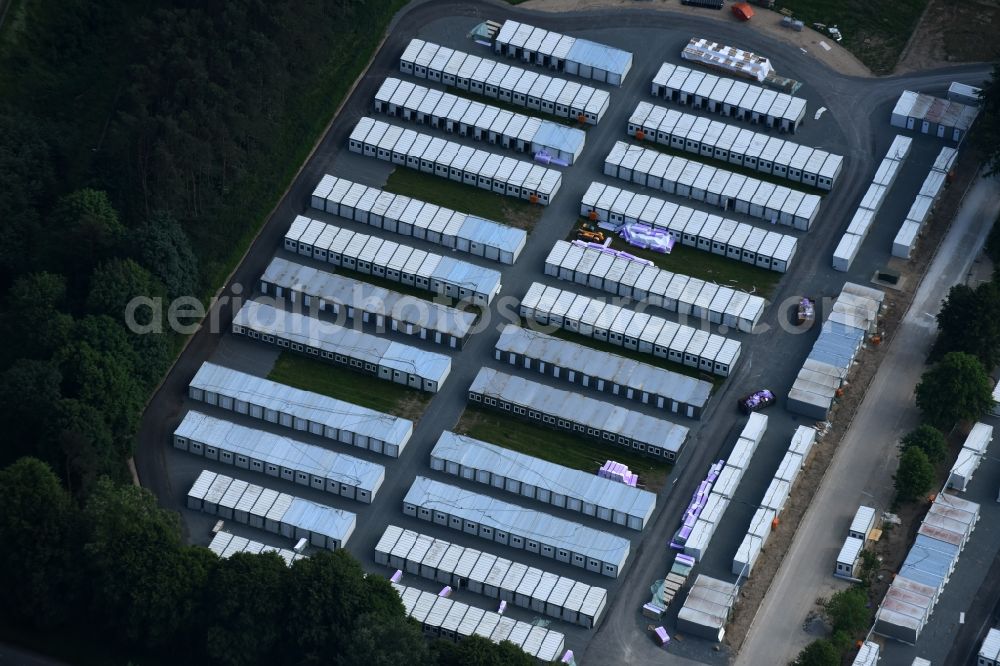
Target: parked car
806,311
756,401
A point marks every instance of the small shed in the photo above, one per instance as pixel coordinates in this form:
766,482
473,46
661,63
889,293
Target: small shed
849,558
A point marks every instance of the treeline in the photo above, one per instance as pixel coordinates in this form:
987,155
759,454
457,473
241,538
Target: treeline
116,567
142,142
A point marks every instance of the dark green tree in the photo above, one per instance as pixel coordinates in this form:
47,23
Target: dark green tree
915,475
78,442
479,651
100,368
848,610
34,325
928,439
956,389
969,321
26,173
29,390
818,653
90,231
246,600
115,283
988,123
162,247
37,560
145,584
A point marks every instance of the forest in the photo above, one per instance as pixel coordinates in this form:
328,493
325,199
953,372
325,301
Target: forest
142,145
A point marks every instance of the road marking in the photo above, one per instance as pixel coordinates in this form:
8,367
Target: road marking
825,45
961,618
819,112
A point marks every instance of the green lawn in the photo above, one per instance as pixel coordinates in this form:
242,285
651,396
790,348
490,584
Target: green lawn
464,198
649,359
710,267
874,30
337,382
558,446
735,168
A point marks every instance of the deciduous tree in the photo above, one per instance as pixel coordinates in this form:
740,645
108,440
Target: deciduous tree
928,439
915,475
955,389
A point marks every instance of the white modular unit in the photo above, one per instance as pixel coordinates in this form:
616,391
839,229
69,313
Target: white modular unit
847,250
573,55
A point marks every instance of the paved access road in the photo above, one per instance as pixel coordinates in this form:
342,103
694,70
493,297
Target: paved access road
868,449
854,126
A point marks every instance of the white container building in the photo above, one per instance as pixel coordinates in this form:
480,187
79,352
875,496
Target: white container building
520,584
718,356
437,224
580,415
442,617
641,280
745,101
942,118
713,138
849,558
539,479
989,651
707,608
361,352
300,410
572,55
477,120
363,302
512,84
295,518
602,371
517,527
746,555
679,174
225,545
277,456
862,523
970,456
394,261
868,655
447,159
709,233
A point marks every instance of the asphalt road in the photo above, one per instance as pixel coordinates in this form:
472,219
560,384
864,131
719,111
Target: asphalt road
855,126
867,451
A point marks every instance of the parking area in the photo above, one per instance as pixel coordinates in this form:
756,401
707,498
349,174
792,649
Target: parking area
770,357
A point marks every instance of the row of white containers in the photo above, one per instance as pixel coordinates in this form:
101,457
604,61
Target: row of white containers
444,617
347,298
730,97
515,526
917,586
455,161
971,454
225,545
682,177
871,202
280,513
393,261
725,486
740,146
923,204
638,331
573,55
483,573
603,371
479,121
301,410
534,478
774,500
694,228
412,217
507,83
280,457
624,275
853,317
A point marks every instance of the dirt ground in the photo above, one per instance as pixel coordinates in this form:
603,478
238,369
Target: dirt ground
892,547
953,31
